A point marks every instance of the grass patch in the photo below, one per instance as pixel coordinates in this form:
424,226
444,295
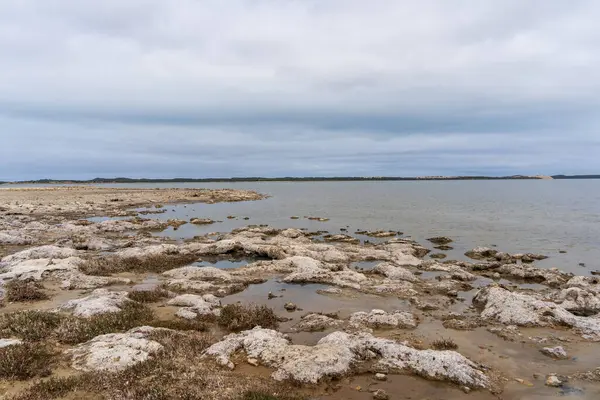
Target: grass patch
34,326
24,361
149,296
237,317
73,330
157,263
29,325
444,344
24,290
181,324
177,373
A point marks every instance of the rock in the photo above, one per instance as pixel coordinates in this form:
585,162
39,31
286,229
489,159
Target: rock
395,272
201,221
381,377
294,217
440,240
443,247
253,362
531,274
208,274
578,301
553,381
207,304
115,351
9,342
341,239
338,353
557,352
460,324
316,323
481,253
100,301
380,394
379,319
437,256
520,309
290,306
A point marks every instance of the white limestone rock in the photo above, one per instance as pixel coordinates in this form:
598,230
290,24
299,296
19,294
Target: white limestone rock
379,319
100,301
207,274
557,352
395,272
198,305
316,323
9,342
115,351
338,353
520,309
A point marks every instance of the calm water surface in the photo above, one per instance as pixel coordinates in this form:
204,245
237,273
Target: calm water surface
516,216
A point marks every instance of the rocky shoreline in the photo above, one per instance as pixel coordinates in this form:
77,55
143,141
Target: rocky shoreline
104,302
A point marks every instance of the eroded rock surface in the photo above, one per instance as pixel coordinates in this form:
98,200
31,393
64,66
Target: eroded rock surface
115,351
337,353
100,301
379,319
195,305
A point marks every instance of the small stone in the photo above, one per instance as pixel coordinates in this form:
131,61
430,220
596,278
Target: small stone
466,389
253,361
271,296
555,352
553,381
562,251
381,377
294,217
381,394
290,306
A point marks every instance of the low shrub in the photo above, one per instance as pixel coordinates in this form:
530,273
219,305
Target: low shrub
24,361
156,263
237,317
22,290
444,344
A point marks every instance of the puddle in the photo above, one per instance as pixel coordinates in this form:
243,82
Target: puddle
150,282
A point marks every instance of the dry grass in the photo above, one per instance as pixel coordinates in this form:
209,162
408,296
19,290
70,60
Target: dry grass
149,296
444,344
34,326
29,325
180,324
237,317
19,291
157,263
25,361
74,330
177,373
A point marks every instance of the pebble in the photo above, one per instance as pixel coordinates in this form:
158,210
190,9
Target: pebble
553,381
290,306
381,394
381,377
253,361
555,352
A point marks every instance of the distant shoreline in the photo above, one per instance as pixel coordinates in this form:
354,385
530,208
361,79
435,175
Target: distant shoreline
303,179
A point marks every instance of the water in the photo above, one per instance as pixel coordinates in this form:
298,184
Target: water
541,216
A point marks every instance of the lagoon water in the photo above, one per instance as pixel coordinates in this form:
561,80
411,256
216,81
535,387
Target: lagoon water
541,216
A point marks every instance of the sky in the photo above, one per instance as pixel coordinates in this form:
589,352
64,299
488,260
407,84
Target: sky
214,88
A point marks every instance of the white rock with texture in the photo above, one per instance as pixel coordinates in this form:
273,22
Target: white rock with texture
339,353
115,351
379,319
100,301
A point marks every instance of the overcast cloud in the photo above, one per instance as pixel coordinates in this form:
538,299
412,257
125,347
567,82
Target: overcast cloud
218,88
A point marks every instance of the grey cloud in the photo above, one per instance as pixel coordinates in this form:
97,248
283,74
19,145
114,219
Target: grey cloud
245,87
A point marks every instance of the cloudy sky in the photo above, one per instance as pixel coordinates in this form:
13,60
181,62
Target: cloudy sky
219,88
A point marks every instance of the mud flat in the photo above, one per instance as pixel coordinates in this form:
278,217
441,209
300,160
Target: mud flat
109,310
